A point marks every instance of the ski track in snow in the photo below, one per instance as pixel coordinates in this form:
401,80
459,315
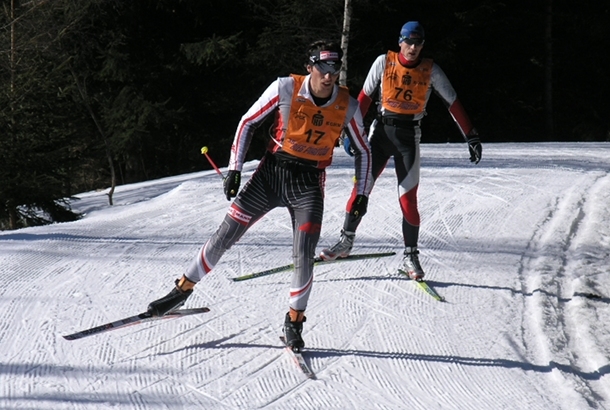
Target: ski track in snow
517,245
548,280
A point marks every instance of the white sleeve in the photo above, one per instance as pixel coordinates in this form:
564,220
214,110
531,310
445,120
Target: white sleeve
441,85
264,106
373,78
362,150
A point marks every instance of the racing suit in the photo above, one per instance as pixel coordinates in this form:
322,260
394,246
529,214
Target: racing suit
404,89
291,174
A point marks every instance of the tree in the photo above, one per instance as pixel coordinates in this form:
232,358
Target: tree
35,158
548,72
347,18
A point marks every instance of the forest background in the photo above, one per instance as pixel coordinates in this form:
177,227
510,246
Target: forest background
95,93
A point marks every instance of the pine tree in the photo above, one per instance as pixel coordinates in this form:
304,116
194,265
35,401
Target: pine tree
35,157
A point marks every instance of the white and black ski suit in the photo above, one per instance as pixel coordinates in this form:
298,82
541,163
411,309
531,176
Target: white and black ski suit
403,93
291,174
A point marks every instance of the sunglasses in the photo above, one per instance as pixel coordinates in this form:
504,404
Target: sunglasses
412,41
326,68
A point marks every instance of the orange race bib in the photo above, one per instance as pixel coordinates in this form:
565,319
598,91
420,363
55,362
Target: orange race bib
404,89
312,131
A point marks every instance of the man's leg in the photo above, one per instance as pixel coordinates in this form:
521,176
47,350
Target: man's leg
243,213
306,206
381,151
407,162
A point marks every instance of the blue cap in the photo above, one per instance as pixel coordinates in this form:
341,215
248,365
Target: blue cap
411,29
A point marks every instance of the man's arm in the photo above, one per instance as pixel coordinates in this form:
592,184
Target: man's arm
265,105
371,84
444,89
361,149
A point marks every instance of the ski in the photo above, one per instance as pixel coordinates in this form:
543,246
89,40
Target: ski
317,261
424,286
299,360
133,320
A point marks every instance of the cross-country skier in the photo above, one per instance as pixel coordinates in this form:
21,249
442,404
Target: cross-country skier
310,112
404,81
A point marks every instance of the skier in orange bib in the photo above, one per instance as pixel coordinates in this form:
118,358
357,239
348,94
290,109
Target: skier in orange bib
310,113
404,82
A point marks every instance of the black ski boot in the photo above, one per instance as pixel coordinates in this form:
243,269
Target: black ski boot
293,330
174,299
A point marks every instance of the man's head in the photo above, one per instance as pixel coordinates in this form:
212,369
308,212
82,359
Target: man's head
412,30
324,65
411,40
325,56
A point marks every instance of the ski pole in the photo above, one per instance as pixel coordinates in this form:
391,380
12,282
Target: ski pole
204,151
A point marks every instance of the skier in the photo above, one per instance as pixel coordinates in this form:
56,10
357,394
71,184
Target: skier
311,112
404,81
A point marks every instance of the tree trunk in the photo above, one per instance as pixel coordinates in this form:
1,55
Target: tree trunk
85,97
13,217
548,74
12,64
347,16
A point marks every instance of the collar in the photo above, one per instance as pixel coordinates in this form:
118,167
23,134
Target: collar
408,63
306,92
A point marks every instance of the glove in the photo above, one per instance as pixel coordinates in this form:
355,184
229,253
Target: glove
347,146
358,209
231,184
475,148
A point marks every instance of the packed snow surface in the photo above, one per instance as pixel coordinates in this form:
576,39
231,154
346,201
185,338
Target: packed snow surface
519,245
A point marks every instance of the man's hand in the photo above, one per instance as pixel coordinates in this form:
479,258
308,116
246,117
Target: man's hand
347,146
475,148
231,184
358,209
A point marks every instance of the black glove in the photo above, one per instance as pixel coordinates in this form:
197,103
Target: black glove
358,209
475,148
231,184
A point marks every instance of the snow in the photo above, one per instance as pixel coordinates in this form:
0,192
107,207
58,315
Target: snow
518,245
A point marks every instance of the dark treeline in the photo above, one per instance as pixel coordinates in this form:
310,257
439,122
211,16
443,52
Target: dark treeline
97,93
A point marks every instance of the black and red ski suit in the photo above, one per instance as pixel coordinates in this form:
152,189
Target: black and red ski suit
404,90
291,174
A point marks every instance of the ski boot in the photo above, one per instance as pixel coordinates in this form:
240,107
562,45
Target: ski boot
411,261
341,249
293,329
174,299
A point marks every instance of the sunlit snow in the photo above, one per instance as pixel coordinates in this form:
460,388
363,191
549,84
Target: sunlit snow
519,245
